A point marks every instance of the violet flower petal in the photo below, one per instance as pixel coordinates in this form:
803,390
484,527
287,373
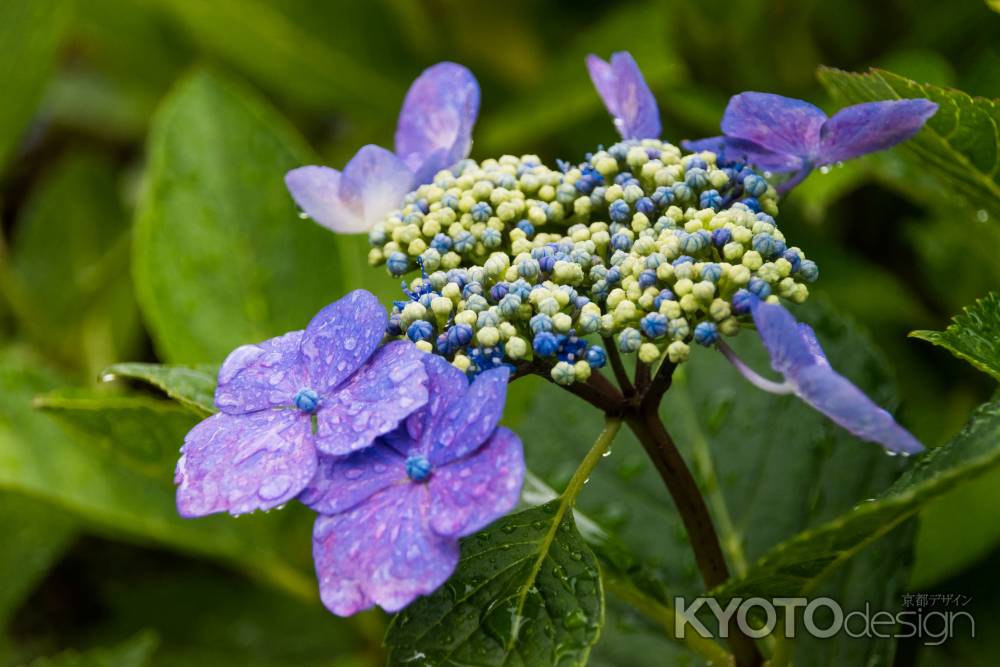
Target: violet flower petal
434,130
374,182
740,150
470,493
781,336
262,376
342,482
466,424
776,123
239,464
340,338
446,388
874,126
383,392
317,192
381,552
626,95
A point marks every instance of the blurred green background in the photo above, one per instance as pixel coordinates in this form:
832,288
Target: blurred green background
81,83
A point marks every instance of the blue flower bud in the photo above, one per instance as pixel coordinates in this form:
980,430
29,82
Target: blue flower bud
764,217
696,178
629,340
441,243
721,237
394,326
547,263
681,192
458,276
808,270
645,206
470,289
710,199
398,263
741,302
647,279
450,201
711,272
459,336
499,291
664,295
418,468
759,287
793,258
752,204
306,400
754,185
420,330
654,325
613,276
621,242
596,356
572,348
540,323
509,305
465,242
492,238
662,196
528,268
619,211
706,333
764,244
527,228
683,259
545,344
624,178
696,163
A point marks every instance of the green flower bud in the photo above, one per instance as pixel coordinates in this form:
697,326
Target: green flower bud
703,291
625,312
752,260
516,348
461,362
739,275
732,251
581,370
689,304
424,346
548,306
720,310
729,326
412,312
684,285
672,309
678,352
562,322
563,373
648,353
488,336
467,317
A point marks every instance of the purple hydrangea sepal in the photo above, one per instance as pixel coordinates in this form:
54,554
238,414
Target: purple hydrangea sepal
626,95
391,515
786,135
261,449
434,132
797,355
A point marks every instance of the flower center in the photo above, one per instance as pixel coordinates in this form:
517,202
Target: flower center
307,400
418,468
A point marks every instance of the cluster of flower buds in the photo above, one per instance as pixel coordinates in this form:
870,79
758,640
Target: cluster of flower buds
640,245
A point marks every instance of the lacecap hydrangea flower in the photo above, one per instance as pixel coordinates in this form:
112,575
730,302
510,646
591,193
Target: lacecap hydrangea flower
327,390
789,136
391,514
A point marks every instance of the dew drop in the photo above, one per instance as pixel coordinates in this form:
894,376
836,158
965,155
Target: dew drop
982,215
108,377
825,169
303,215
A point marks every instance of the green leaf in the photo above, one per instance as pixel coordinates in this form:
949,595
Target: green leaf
973,335
35,536
960,146
135,652
30,33
74,297
191,386
221,257
110,461
526,592
793,567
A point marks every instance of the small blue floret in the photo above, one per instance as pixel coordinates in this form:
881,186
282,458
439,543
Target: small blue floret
307,400
545,344
398,263
596,356
706,333
418,468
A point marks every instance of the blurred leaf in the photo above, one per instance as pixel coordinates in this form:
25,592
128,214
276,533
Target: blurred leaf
191,386
221,258
792,568
110,460
68,280
960,144
973,335
526,591
35,536
30,33
993,4
136,652
293,56
769,465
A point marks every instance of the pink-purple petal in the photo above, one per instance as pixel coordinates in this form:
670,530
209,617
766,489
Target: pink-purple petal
382,393
870,127
833,395
239,464
470,493
781,336
467,423
381,552
626,95
434,130
374,182
262,376
340,338
342,482
778,124
317,192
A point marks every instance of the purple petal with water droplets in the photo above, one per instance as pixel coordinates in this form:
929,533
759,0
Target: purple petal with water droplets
434,130
781,336
262,376
465,425
381,552
469,494
873,126
340,338
342,482
374,182
626,95
242,463
385,391
446,388
775,123
833,395
317,192
809,336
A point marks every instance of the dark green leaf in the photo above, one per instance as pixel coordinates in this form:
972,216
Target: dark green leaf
973,335
221,258
526,592
30,33
136,652
191,386
960,146
793,567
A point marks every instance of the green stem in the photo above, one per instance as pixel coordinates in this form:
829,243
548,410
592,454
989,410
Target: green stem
597,451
